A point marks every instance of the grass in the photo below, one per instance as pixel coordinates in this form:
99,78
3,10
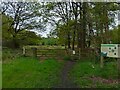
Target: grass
0,75
85,76
27,72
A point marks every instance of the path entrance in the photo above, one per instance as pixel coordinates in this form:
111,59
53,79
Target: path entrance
66,82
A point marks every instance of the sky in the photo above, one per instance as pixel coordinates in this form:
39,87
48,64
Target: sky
119,18
62,0
49,27
44,34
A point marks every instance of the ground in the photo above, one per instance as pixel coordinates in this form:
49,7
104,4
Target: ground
26,72
31,72
66,82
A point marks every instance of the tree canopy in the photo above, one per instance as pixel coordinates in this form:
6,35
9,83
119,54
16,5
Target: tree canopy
76,24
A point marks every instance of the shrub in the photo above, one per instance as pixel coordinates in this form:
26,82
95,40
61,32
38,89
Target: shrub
67,57
10,54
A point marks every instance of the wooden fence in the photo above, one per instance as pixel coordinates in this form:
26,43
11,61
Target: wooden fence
44,53
50,52
54,52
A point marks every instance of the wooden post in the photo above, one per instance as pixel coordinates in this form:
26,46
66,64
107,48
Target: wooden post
101,61
23,50
34,52
79,53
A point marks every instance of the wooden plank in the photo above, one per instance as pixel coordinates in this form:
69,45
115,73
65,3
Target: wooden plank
23,51
101,61
51,49
43,52
47,56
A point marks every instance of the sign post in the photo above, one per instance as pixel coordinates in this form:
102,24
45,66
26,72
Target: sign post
101,61
23,50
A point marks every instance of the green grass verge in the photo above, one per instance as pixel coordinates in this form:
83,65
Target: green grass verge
83,74
26,72
0,75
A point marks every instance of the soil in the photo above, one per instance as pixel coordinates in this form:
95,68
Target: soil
106,81
66,82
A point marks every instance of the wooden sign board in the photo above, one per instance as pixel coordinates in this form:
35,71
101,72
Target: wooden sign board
112,50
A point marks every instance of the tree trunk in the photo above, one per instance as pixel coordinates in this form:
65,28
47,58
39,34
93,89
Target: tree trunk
106,24
84,24
79,34
69,40
73,43
15,43
79,37
75,11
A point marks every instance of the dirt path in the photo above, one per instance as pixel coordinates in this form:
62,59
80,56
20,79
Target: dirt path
65,81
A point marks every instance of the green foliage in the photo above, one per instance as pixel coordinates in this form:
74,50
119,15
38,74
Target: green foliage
21,38
50,6
10,54
28,38
67,58
25,72
6,27
49,41
62,31
115,35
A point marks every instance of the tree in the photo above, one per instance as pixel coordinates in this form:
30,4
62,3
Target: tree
103,16
6,22
62,10
76,14
24,15
115,35
26,37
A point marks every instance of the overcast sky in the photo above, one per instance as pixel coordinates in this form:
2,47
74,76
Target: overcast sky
62,0
49,27
44,34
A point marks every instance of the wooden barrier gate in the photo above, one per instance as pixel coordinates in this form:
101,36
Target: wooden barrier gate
51,53
38,51
43,53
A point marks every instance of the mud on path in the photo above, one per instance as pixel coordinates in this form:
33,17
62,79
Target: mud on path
66,82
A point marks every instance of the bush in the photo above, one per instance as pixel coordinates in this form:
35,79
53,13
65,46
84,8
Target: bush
10,54
67,57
